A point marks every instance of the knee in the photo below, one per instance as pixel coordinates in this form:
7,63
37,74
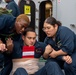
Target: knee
20,71
69,66
66,66
52,64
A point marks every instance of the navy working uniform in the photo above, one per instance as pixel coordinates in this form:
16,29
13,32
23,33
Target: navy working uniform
39,50
14,7
66,41
6,26
17,51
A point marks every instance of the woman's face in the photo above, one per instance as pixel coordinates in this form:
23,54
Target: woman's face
50,30
20,26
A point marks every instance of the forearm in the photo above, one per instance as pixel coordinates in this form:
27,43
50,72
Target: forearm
46,54
60,52
55,53
47,51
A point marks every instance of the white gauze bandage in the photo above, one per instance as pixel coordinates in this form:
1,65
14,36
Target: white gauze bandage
31,66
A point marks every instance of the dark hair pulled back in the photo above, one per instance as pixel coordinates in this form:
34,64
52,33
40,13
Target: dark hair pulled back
52,21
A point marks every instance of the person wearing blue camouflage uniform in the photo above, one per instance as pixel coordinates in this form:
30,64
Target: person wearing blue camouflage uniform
11,5
61,45
11,29
39,51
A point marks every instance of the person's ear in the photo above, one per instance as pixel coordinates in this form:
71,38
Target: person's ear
22,37
56,25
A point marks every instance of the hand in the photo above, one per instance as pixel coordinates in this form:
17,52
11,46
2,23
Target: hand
9,44
3,47
48,49
67,59
53,54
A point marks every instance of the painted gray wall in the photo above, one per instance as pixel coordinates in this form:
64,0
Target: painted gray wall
66,13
